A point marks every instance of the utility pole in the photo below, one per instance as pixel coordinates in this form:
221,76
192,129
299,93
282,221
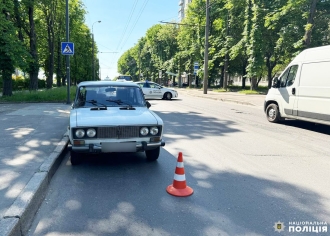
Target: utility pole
225,78
67,56
139,62
93,60
206,52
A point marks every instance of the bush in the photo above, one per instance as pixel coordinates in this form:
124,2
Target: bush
41,83
20,84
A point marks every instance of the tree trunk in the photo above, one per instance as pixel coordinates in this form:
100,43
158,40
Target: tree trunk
18,24
222,77
225,70
253,83
7,82
244,75
269,72
63,72
51,37
34,65
58,69
64,80
310,24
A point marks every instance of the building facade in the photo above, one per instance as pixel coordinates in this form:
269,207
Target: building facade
183,6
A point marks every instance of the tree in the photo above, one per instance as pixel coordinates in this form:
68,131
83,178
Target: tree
11,50
251,38
28,11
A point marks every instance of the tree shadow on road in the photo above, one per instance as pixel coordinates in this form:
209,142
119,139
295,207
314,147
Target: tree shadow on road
125,195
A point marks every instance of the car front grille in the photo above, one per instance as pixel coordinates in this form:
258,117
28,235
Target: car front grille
120,132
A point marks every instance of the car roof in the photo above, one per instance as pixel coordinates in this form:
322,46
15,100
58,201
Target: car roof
107,83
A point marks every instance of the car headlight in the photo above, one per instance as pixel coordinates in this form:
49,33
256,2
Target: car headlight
91,133
80,133
154,130
144,131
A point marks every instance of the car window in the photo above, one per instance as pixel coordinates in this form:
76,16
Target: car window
140,84
153,85
288,77
146,85
89,96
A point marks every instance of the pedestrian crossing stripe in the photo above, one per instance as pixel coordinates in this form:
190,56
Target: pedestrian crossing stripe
67,49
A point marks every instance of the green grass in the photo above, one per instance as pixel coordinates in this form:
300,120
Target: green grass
44,95
238,89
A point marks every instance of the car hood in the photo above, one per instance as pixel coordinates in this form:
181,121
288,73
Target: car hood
113,116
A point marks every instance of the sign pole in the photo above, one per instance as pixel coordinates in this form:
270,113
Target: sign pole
67,56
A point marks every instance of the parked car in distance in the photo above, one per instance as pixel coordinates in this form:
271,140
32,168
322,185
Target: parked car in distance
124,78
153,90
184,85
110,116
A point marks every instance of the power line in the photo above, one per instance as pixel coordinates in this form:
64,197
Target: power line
137,19
127,23
140,13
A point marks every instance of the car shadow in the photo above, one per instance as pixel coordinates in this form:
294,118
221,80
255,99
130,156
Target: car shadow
319,128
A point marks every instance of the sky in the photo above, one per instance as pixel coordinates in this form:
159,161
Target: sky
123,23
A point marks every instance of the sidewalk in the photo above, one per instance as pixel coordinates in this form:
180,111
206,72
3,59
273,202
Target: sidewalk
252,100
31,143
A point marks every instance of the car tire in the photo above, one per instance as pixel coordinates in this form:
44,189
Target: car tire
152,155
75,158
168,96
273,114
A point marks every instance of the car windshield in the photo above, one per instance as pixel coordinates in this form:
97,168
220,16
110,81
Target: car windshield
109,96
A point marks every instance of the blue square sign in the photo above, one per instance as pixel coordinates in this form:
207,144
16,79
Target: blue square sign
196,66
67,48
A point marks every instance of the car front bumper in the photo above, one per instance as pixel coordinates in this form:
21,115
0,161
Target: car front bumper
116,147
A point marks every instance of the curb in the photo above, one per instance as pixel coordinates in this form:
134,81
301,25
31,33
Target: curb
223,99
18,218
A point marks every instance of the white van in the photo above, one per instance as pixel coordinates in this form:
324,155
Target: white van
302,91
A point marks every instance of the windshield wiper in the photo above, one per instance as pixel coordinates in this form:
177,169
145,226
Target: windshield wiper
96,103
120,102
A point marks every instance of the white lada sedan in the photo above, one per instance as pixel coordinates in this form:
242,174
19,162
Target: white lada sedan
109,117
153,90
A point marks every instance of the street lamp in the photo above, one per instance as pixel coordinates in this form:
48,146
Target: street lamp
93,61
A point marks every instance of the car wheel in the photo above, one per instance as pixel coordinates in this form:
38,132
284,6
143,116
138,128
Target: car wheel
273,115
75,158
168,96
152,155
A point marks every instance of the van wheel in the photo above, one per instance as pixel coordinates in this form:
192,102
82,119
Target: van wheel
75,158
152,155
272,113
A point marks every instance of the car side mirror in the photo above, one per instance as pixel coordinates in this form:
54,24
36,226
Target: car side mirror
148,104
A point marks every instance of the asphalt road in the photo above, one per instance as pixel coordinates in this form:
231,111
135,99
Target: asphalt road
247,174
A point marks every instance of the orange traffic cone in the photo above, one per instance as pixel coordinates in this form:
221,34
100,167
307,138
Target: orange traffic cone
179,187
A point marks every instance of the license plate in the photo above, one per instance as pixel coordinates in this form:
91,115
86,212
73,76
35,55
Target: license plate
119,147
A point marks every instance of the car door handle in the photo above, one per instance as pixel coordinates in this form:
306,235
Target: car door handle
294,91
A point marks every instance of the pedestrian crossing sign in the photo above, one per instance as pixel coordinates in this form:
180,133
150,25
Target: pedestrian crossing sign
67,48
